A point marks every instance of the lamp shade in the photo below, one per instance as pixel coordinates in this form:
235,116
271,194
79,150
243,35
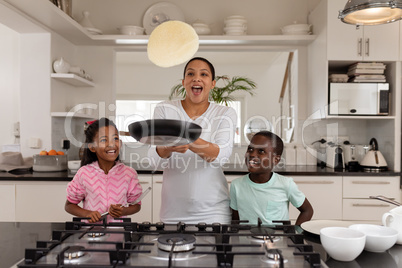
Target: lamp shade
371,12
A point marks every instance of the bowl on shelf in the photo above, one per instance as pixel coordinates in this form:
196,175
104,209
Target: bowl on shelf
378,238
342,243
131,30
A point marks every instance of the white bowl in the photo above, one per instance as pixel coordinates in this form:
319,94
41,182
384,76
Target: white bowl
131,30
74,165
341,243
202,29
378,238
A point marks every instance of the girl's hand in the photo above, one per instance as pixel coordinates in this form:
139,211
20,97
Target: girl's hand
94,215
116,211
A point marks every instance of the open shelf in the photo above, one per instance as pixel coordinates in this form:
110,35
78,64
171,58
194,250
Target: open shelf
70,114
73,79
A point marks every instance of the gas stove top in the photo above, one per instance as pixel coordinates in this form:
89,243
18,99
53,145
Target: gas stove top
132,244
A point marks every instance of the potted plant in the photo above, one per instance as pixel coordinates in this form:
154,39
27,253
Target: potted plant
221,95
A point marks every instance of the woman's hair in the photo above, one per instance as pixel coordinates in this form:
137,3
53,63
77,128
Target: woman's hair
276,141
88,157
204,60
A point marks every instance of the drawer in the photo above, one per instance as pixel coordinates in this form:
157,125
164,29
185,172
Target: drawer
364,187
317,189
364,209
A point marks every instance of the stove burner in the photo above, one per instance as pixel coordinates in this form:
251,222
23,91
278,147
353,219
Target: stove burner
181,242
95,235
74,252
273,256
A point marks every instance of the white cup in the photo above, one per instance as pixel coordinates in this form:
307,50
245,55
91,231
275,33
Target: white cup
393,219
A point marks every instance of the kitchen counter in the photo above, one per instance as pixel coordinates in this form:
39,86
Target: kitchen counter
17,236
229,169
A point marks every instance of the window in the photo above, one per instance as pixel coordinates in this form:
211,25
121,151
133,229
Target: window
130,111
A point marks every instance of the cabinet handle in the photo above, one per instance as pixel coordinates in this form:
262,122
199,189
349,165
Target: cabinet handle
370,205
144,182
371,182
359,47
314,182
367,47
158,181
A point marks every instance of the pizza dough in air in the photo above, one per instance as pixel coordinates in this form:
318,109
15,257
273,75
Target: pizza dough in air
172,43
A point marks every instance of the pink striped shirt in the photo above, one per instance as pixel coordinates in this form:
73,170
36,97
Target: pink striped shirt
98,190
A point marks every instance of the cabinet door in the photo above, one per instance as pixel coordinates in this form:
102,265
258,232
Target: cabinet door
7,202
364,187
345,41
324,194
145,214
41,201
368,43
156,197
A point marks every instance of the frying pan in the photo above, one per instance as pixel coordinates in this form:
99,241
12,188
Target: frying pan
166,132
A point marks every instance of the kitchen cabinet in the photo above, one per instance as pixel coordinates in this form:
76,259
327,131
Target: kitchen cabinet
356,192
73,79
145,214
324,194
41,201
7,201
156,196
363,43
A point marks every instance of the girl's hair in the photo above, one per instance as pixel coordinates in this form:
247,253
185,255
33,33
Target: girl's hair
88,157
276,141
204,60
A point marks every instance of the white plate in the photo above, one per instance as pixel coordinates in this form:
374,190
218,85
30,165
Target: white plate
314,227
161,12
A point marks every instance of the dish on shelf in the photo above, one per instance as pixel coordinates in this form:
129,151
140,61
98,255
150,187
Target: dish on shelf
94,31
160,12
315,226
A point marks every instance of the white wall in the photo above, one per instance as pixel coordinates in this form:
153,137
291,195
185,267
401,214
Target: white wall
9,87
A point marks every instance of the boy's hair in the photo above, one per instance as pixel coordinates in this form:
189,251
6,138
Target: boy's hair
88,156
276,141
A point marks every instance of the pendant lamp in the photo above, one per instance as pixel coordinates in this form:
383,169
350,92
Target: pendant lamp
371,12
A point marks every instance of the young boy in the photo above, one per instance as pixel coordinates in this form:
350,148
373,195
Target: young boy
262,193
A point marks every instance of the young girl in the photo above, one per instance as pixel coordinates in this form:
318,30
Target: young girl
103,183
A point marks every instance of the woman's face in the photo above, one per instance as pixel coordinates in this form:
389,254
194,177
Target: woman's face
198,81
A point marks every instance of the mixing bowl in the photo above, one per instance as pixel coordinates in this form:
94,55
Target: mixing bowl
342,243
378,238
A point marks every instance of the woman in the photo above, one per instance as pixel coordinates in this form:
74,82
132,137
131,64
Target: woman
194,187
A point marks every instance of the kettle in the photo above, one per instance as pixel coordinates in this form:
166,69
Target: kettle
374,160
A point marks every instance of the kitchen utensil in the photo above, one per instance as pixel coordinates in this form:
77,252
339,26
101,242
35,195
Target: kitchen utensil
335,158
44,163
378,238
393,219
166,132
386,199
159,13
74,165
374,160
296,29
133,203
341,243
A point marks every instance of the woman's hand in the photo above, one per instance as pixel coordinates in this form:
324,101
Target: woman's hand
166,151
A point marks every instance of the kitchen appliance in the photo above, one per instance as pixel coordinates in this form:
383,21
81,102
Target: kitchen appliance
358,99
335,157
166,132
132,244
374,161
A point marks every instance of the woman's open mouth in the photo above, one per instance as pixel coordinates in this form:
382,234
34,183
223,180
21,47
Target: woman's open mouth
196,90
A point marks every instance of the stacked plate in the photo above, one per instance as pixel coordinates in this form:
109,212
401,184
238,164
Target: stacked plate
235,25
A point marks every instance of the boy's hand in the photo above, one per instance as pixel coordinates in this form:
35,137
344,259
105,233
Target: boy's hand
116,211
94,215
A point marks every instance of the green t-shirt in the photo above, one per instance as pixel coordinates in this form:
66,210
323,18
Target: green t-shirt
268,201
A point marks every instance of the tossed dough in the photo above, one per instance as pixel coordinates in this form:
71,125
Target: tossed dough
172,43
